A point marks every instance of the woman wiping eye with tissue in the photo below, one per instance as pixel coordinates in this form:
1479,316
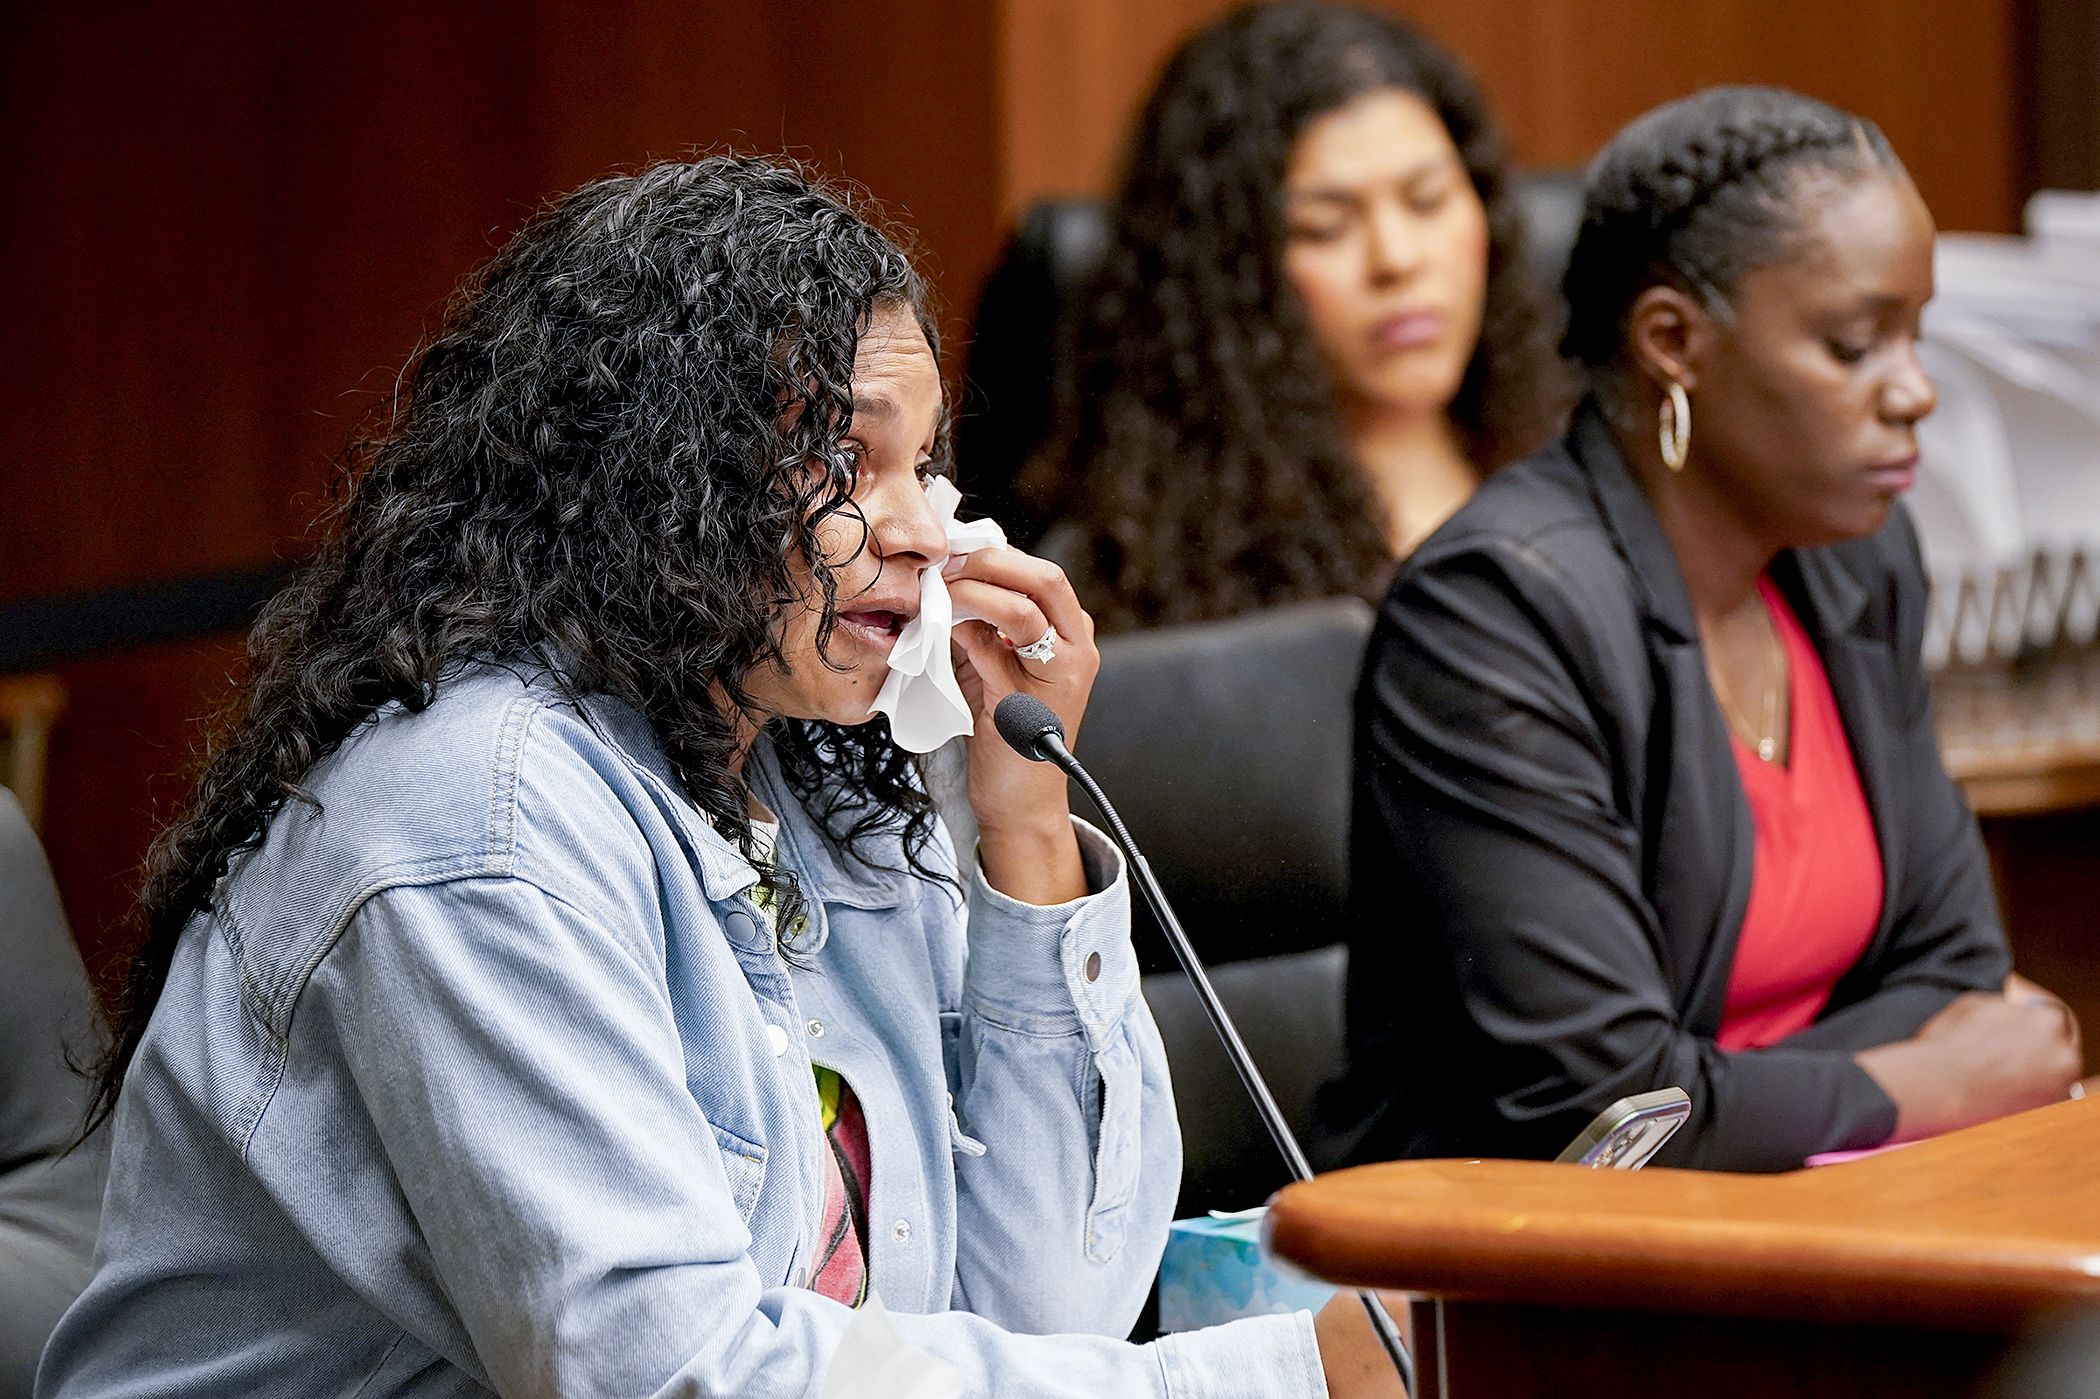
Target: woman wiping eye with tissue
886,551
560,982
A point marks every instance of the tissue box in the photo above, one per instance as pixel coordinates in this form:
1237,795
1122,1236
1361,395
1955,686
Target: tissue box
1214,1272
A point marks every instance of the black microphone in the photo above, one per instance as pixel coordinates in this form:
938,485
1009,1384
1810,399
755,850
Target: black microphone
1032,729
1024,721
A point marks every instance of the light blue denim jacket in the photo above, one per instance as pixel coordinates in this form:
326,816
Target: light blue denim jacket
487,1077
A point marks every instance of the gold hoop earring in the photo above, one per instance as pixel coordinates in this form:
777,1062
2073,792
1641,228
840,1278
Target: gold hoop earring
1674,427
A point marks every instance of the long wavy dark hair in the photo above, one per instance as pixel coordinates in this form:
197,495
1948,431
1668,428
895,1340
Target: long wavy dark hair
1197,446
611,463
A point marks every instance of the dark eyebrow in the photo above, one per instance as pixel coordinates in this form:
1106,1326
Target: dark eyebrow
873,408
1875,304
1428,165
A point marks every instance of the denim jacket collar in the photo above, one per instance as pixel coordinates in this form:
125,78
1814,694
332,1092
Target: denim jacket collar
723,870
828,874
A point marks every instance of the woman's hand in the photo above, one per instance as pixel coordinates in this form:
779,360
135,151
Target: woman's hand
1983,1056
2019,988
1351,1354
1024,829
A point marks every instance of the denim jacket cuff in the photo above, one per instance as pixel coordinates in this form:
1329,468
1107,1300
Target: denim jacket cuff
1050,969
1257,1355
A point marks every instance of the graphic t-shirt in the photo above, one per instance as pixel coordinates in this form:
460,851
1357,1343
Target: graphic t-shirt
840,1270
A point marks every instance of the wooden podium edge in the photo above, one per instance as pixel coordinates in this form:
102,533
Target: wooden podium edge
1829,1276
1980,1230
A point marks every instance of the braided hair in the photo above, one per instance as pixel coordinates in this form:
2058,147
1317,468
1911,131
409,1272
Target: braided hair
1697,193
1196,446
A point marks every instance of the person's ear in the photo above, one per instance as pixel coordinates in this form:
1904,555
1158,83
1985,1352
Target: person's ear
1667,336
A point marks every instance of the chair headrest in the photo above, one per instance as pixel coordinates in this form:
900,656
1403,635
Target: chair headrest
1012,363
1226,747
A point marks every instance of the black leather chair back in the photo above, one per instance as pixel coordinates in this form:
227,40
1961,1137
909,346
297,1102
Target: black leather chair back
50,1201
1226,748
1289,1012
1012,369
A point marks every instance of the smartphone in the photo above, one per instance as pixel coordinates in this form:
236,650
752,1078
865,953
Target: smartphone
1625,1135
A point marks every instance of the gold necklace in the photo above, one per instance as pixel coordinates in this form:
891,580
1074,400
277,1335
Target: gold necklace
1766,734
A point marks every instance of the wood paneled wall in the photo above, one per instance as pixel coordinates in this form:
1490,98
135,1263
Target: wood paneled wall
2060,64
225,225
1938,75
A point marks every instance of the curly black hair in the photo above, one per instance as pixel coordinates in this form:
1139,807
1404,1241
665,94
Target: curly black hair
1197,447
1693,195
611,464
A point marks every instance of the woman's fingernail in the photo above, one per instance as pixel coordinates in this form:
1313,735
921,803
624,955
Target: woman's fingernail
954,565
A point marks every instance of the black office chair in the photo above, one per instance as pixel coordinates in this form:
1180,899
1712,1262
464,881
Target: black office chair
1013,355
1226,748
50,1201
1012,361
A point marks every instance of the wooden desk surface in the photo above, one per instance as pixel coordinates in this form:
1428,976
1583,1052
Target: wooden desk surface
2024,739
1978,1230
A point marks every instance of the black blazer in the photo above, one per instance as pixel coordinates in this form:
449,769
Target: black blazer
1551,851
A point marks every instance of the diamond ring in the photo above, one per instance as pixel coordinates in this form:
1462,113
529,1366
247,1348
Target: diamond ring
1041,650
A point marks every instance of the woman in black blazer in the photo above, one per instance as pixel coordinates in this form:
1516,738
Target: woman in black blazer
1554,853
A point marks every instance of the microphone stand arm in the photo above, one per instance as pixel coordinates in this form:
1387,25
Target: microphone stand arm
1220,1019
1052,746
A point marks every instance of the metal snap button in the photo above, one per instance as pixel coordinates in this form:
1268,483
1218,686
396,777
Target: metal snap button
816,1029
1093,966
778,1038
901,1230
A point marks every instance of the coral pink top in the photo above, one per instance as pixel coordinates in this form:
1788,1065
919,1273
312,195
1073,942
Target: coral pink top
1816,886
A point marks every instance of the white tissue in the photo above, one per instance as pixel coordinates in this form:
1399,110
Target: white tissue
874,1362
925,705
